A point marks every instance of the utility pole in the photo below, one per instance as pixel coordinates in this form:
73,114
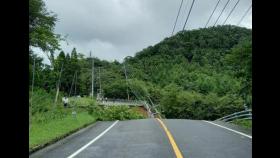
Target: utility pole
75,94
74,113
33,73
126,82
30,107
58,84
100,90
151,100
73,80
92,77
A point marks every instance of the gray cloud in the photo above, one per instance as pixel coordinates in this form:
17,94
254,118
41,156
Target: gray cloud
113,29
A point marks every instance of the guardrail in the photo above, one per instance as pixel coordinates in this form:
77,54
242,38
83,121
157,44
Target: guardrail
122,101
119,103
245,114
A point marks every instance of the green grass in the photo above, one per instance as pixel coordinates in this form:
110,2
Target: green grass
41,133
243,123
50,123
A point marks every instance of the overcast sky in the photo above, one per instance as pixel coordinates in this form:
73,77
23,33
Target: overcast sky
114,29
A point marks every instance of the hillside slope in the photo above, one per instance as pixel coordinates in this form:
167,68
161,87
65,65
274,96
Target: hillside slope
201,74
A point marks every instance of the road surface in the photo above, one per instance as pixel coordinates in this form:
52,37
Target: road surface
147,138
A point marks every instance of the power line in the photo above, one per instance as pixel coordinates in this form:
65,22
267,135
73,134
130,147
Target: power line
244,14
132,76
186,7
133,91
188,15
212,13
177,17
231,11
221,12
138,96
143,96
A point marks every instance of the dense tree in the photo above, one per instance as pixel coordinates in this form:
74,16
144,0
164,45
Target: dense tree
41,28
239,60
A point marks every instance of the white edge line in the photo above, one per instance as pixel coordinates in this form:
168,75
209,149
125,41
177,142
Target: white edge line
92,141
230,129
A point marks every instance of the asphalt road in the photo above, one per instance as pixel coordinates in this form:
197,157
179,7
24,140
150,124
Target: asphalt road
147,139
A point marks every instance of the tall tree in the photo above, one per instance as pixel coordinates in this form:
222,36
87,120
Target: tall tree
41,28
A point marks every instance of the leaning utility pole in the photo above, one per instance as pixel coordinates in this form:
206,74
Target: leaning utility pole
58,84
92,77
126,82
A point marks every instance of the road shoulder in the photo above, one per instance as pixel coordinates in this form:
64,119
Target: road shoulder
234,127
70,140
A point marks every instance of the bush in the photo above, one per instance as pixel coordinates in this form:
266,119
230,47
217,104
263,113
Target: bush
94,109
182,104
109,113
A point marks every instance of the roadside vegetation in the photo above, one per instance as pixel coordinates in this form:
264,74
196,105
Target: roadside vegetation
50,122
109,113
51,130
243,123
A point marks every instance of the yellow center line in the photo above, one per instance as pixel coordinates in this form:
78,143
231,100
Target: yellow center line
171,140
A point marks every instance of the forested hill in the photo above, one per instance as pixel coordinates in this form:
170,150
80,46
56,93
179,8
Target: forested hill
203,48
205,68
198,74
